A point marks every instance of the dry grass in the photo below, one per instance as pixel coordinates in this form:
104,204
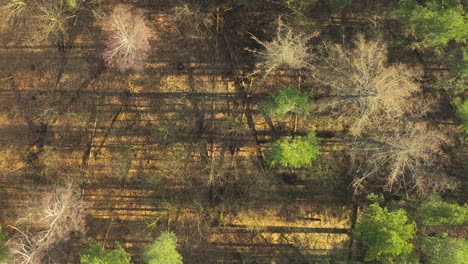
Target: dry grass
11,160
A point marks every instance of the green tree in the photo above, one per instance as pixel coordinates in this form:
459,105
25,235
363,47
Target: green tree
385,235
433,23
286,101
437,212
163,250
298,152
3,249
442,250
95,254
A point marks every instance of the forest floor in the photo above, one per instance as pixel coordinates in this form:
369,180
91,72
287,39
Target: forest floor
180,145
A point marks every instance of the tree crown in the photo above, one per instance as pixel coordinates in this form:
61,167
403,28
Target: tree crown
437,212
298,152
163,250
95,254
434,23
286,101
385,234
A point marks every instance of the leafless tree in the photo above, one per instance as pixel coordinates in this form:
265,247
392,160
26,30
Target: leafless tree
370,91
409,159
50,19
127,45
191,22
10,11
286,49
59,215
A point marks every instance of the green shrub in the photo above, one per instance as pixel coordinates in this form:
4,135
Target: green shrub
461,108
434,23
95,254
71,3
444,250
286,101
3,249
385,235
298,152
437,212
163,250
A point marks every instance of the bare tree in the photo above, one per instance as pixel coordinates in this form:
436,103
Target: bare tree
370,91
50,19
11,11
286,49
127,45
409,159
191,21
59,215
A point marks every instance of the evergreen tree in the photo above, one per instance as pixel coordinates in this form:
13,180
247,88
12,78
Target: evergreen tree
298,152
442,250
163,250
434,22
287,101
385,234
437,212
95,254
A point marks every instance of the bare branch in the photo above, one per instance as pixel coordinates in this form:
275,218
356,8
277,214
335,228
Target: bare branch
127,45
374,92
60,215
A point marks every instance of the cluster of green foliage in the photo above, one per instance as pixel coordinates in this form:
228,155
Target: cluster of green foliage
461,107
385,234
297,153
437,212
95,254
442,250
3,249
71,3
163,250
434,22
286,101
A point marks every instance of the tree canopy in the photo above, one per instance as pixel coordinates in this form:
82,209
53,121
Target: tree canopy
433,23
95,254
297,153
385,234
163,250
441,250
286,101
437,212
